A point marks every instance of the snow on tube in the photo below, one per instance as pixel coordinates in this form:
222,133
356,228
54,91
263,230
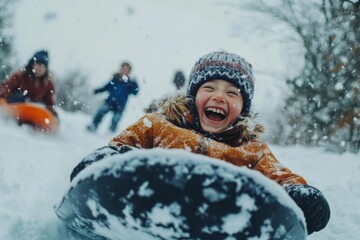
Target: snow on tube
30,113
163,194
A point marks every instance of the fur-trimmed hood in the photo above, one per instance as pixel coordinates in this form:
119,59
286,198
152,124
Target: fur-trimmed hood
181,111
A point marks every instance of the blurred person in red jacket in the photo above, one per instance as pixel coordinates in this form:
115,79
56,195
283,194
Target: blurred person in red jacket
34,83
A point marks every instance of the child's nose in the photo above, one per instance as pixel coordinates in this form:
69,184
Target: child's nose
218,97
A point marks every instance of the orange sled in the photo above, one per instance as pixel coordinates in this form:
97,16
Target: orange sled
32,114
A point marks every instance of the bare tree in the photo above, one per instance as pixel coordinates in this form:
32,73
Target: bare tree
74,94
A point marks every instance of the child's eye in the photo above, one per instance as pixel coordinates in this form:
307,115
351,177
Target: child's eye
208,87
233,93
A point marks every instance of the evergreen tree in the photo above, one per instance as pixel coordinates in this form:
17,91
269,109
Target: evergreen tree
324,105
5,39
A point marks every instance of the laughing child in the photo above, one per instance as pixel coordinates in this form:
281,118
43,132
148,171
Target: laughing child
213,120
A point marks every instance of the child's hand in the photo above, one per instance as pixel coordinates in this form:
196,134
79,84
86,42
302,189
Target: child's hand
314,205
97,155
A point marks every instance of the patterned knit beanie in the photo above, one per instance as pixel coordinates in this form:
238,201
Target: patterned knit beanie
226,66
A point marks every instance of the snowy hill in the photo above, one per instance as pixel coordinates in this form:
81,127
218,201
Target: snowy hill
158,37
35,171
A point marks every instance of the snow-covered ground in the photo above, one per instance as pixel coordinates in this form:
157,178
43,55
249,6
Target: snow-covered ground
158,37
35,171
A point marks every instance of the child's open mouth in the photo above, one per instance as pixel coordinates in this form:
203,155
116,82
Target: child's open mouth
215,114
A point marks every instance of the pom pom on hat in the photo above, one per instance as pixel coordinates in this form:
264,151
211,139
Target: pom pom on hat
41,57
226,66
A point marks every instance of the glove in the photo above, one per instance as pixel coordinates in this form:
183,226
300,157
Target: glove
313,204
98,155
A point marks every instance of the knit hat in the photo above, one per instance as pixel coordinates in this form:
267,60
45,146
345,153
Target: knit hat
226,66
41,57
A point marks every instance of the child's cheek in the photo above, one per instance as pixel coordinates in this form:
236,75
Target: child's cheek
236,107
200,101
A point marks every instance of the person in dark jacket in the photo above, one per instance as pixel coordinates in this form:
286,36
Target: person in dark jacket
34,83
179,82
119,88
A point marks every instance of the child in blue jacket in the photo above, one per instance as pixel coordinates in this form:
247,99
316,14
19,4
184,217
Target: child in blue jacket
119,88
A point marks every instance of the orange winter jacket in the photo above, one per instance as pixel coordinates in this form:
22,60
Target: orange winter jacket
155,130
